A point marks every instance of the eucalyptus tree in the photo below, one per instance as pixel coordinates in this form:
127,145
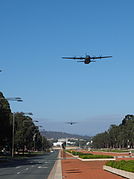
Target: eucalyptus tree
24,132
101,140
121,136
128,129
5,123
113,134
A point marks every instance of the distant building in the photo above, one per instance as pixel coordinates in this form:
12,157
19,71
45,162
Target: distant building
57,144
62,140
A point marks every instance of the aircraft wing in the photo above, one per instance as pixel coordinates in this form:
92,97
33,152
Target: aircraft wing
71,122
101,57
79,58
80,61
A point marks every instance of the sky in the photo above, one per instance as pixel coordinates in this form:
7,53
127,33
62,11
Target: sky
34,35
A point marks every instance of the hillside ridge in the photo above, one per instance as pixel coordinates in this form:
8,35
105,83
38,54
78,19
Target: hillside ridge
57,135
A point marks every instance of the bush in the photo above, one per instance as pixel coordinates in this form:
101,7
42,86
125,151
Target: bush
122,165
95,156
88,155
78,153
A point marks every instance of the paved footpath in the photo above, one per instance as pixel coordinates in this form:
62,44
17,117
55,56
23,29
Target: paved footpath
75,169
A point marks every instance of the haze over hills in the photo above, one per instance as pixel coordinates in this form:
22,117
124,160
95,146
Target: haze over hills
57,135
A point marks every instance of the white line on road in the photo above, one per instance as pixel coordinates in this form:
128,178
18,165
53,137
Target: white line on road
42,167
18,167
22,171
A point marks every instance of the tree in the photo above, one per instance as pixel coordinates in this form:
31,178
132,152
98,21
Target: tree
113,133
5,123
27,135
24,132
121,136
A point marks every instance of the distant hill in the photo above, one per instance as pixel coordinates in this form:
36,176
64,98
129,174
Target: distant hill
57,135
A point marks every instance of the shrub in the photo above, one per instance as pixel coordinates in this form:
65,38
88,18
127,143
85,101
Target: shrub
94,156
122,165
78,153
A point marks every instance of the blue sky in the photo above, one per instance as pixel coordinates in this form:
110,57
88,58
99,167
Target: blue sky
34,35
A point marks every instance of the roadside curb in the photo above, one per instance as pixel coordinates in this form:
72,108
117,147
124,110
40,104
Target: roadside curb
56,172
86,160
100,159
116,171
124,156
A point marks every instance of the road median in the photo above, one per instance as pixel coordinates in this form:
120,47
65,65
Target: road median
56,172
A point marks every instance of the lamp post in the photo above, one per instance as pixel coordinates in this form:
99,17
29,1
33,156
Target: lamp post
41,139
27,113
34,136
34,139
18,99
13,136
12,99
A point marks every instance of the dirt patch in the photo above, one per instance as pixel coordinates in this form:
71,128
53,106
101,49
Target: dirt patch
75,169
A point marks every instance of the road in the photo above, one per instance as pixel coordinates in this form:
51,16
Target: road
37,167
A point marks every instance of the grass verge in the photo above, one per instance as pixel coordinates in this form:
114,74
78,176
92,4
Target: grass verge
122,165
95,156
89,155
26,155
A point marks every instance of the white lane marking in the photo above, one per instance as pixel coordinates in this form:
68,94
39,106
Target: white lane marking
18,167
42,167
22,171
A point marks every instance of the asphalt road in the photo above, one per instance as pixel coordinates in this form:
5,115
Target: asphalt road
37,167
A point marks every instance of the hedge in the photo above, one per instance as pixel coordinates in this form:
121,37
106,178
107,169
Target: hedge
122,165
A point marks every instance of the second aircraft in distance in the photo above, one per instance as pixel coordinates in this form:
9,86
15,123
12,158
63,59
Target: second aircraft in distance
71,122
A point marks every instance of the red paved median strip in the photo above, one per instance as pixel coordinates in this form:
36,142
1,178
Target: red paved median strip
76,169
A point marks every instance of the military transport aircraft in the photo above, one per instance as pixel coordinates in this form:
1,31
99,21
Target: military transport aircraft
87,59
71,123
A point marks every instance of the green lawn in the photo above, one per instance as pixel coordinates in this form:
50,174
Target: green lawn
89,155
20,156
78,153
95,156
112,150
122,165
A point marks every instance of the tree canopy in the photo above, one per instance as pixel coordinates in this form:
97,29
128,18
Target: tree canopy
5,122
121,136
26,135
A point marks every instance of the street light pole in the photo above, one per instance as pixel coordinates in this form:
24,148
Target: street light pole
13,136
34,136
27,113
19,100
41,139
